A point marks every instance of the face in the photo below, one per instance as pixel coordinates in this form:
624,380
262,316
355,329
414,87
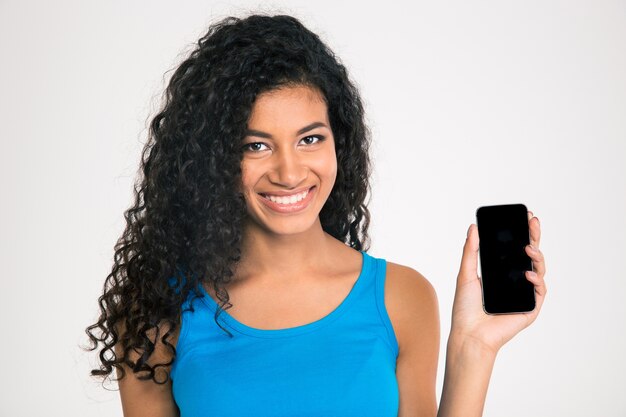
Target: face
289,164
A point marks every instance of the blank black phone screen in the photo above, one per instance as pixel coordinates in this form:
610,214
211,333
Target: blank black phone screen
503,234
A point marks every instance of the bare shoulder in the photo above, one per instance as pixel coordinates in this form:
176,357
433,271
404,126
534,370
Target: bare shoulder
407,288
410,300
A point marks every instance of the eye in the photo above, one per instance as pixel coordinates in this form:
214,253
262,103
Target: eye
310,140
254,147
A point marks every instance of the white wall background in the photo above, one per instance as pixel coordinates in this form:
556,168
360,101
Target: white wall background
470,103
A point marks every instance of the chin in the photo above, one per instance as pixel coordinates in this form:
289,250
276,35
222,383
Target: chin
290,227
283,225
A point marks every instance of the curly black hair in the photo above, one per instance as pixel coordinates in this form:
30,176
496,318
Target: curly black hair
185,227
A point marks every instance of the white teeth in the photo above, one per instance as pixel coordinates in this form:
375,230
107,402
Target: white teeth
288,199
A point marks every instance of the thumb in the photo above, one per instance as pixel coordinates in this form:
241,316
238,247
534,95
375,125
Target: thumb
469,262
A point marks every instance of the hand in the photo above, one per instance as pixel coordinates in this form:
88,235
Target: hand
469,321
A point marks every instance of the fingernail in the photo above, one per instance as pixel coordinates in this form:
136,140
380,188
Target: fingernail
532,274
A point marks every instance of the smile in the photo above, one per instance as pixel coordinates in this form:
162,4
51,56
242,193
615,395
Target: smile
288,203
289,199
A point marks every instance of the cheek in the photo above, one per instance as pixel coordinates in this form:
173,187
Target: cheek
247,178
327,167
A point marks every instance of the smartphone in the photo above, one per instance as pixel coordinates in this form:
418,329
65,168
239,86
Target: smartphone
503,234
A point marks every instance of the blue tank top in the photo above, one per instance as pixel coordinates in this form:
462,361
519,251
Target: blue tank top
340,365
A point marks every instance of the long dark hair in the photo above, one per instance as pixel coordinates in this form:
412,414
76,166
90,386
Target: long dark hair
185,226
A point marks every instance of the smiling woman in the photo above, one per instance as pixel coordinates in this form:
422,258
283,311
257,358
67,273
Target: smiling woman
253,191
288,180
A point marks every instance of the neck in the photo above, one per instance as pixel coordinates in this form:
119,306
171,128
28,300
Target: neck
267,254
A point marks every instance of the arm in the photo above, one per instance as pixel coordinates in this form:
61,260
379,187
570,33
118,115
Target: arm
412,307
467,374
147,398
474,340
476,337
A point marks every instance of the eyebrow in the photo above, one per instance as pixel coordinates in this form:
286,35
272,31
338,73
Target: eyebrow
252,132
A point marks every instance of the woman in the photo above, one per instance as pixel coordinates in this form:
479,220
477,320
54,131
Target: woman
253,190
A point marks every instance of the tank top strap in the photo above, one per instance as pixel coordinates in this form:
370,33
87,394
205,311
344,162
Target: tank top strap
369,307
380,279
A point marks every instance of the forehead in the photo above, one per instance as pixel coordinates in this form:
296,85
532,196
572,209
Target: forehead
288,107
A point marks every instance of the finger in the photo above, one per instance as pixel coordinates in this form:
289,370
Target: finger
535,231
469,262
539,264
540,288
530,215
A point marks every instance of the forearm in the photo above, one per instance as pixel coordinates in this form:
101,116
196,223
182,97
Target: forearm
468,370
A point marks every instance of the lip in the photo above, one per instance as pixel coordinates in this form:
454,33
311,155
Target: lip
287,193
290,208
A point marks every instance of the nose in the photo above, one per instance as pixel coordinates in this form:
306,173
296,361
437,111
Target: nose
289,170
